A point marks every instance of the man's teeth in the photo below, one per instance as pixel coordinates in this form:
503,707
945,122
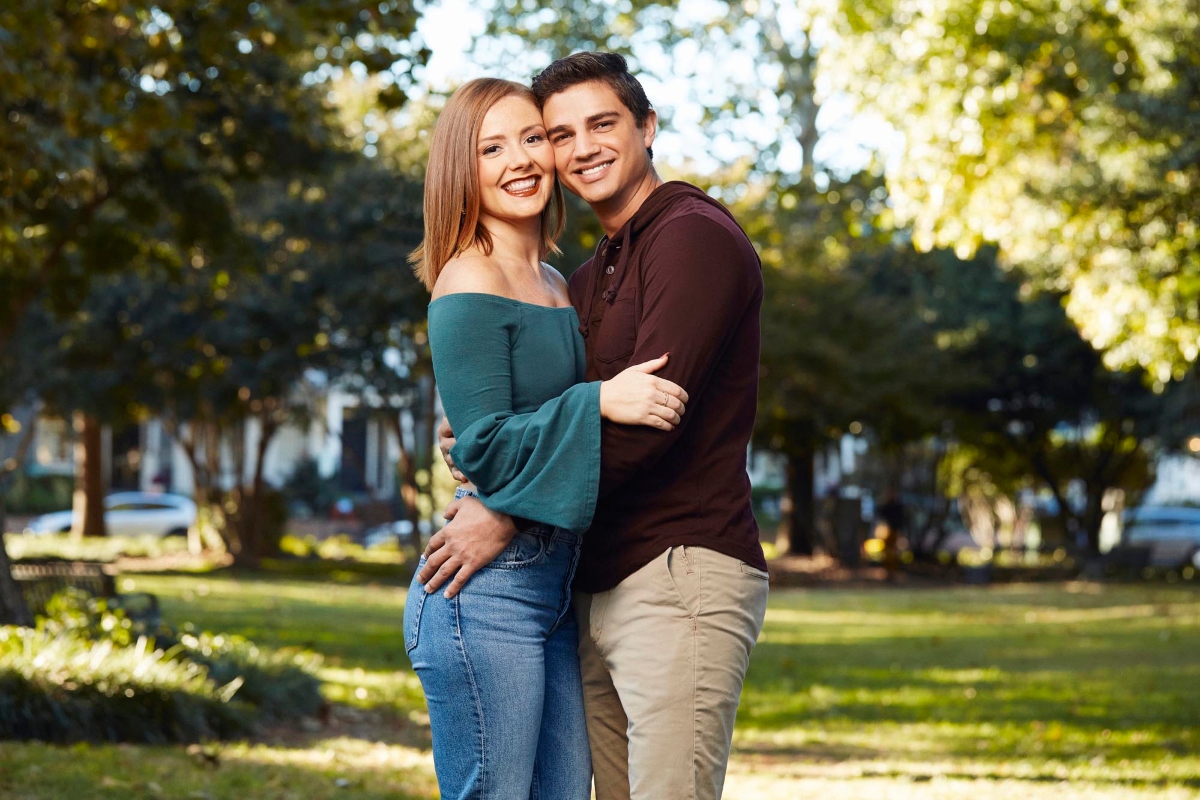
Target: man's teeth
521,186
595,169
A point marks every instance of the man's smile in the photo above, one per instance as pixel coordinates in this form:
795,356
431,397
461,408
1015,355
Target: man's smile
595,171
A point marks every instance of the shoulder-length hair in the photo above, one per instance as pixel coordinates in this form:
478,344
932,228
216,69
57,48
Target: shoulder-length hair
452,181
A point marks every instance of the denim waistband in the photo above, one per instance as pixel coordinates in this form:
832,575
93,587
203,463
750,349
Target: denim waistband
537,529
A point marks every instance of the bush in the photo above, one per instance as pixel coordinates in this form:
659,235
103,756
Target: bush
61,688
306,487
92,548
40,494
90,673
280,684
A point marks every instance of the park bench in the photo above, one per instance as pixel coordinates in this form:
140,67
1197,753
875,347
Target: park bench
41,579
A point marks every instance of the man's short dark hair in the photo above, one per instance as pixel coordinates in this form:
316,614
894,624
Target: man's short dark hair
608,68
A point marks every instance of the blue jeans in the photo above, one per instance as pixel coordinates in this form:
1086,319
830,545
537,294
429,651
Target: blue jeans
500,670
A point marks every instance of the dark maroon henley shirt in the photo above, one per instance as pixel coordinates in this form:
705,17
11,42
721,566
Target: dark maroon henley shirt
680,277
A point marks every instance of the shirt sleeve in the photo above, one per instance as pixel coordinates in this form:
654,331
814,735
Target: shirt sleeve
699,283
543,465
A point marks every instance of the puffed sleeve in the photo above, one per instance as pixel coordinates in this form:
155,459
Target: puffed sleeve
543,465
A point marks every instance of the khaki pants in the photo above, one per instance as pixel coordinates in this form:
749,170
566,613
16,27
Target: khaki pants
663,657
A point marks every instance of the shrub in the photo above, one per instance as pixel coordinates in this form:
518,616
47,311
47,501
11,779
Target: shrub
40,493
61,687
87,672
280,684
92,548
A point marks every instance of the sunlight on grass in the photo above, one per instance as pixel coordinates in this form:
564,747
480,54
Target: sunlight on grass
1023,691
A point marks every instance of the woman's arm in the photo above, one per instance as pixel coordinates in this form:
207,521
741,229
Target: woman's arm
543,465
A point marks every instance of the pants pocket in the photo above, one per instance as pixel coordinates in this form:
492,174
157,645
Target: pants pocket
525,549
683,575
413,607
749,570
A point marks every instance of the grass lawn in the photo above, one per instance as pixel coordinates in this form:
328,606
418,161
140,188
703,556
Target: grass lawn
1024,691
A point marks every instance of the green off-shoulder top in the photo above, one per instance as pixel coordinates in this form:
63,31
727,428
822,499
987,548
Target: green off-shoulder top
510,375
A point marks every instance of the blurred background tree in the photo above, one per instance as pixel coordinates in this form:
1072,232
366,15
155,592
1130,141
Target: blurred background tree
1080,190
132,137
1066,133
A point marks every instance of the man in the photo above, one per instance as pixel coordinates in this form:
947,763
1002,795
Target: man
671,588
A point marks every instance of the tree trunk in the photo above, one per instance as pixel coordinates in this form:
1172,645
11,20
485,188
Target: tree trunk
426,441
13,608
406,482
801,519
254,531
1093,516
88,504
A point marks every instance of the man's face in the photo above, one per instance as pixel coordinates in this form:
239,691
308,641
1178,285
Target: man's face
599,150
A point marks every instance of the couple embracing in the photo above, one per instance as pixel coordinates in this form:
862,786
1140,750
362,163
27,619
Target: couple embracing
593,601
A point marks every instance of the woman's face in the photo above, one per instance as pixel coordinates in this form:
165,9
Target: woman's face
516,163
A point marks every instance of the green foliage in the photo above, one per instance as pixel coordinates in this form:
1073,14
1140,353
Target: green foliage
280,684
127,127
39,494
89,672
1064,132
306,486
61,687
103,549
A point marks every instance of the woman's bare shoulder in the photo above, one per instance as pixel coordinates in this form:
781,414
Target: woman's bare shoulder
557,281
469,273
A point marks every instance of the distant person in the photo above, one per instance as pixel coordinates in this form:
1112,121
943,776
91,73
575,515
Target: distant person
671,588
498,661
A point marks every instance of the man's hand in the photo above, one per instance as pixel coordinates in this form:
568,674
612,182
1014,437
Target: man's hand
472,538
445,442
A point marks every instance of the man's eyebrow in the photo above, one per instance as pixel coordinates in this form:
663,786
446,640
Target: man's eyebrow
501,136
593,119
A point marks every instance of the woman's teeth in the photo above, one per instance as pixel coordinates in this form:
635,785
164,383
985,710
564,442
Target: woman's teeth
524,185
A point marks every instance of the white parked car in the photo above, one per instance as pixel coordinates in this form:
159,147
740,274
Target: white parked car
1171,532
130,514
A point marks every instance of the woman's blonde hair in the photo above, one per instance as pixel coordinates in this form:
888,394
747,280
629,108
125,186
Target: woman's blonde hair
452,181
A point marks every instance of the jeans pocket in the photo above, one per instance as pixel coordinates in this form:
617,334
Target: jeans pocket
413,607
525,549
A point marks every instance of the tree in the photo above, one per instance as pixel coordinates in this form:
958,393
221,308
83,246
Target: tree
835,353
824,360
1042,409
1066,133
129,129
126,125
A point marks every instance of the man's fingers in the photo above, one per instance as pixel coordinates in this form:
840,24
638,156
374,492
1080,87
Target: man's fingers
443,574
460,579
451,510
432,564
435,543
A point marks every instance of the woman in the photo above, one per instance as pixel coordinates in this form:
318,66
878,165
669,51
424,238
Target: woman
498,661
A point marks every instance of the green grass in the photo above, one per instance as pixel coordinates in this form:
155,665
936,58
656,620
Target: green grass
1022,691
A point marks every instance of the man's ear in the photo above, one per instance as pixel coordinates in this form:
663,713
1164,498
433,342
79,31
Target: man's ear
650,128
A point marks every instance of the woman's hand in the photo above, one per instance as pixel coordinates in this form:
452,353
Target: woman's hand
637,397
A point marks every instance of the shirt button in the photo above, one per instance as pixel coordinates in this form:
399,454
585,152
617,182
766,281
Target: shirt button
610,269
